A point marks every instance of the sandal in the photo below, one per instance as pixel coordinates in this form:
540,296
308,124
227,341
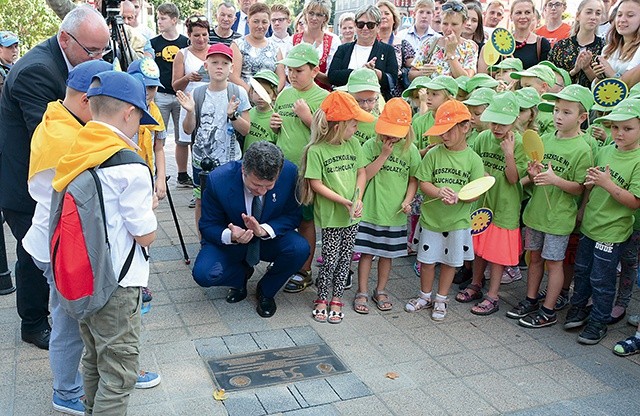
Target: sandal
335,317
295,285
415,305
486,307
320,315
629,346
469,294
359,305
382,304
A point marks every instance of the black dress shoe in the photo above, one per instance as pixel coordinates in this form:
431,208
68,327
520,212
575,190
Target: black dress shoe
40,339
266,307
236,294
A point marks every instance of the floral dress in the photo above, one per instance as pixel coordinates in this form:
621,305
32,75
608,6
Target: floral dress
565,52
256,59
404,51
466,52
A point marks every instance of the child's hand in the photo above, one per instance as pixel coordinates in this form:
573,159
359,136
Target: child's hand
357,213
233,105
160,189
534,168
546,177
301,108
422,94
448,195
194,77
597,177
598,133
186,101
275,122
406,207
508,144
387,148
155,203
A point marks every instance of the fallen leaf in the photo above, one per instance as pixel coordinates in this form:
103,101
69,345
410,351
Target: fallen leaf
219,394
392,375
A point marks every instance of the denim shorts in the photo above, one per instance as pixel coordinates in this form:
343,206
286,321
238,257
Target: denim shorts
553,246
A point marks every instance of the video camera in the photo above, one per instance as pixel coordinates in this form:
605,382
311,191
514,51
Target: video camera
121,52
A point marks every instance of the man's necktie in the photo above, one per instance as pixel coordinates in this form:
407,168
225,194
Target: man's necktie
253,251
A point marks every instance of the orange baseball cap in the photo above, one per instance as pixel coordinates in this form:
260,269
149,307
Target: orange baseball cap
395,119
448,115
340,106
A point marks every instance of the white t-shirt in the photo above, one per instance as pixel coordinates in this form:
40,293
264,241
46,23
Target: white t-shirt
359,56
621,66
36,241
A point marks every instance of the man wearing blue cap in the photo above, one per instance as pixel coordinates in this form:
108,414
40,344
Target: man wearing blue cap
37,79
112,335
8,53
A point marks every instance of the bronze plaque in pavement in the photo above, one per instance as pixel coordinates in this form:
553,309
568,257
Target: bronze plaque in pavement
280,366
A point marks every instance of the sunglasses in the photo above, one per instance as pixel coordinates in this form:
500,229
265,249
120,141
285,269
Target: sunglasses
369,25
90,53
195,19
456,7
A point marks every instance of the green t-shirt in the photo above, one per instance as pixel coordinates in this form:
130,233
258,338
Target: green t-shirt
294,134
545,123
570,159
472,137
503,199
420,125
337,167
260,129
453,169
366,131
605,219
604,142
636,220
386,190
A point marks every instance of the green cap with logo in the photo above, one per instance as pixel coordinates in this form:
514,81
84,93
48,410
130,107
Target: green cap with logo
480,96
566,78
542,72
443,82
301,54
363,79
416,84
462,82
626,110
481,80
503,110
527,97
268,76
514,64
634,92
574,92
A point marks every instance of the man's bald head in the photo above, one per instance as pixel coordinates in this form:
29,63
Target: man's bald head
128,12
83,35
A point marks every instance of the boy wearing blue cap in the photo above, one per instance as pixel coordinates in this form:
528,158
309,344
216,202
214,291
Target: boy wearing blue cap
112,335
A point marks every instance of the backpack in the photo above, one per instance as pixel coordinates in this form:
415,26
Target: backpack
80,249
199,95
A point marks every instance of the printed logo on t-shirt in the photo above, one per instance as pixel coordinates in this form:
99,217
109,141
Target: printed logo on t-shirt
168,53
339,163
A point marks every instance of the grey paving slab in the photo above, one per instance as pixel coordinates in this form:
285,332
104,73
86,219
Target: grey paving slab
458,398
500,392
303,335
362,406
211,347
326,410
348,386
273,339
198,406
316,392
276,399
241,343
409,402
244,404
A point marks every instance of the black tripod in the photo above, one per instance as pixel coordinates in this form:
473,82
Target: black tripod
121,52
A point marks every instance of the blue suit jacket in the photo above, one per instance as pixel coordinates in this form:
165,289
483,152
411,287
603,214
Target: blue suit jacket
234,26
223,202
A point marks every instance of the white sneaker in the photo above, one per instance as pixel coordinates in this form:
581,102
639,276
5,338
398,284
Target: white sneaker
439,310
510,275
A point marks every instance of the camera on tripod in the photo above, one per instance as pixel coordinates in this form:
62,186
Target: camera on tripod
121,53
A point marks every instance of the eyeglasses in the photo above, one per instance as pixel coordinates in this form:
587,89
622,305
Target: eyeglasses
315,14
194,19
456,7
369,25
278,19
367,101
557,5
90,53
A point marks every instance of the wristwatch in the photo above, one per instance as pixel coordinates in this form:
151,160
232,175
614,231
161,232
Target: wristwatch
234,116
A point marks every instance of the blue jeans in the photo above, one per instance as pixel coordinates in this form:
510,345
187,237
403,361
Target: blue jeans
629,273
65,345
595,276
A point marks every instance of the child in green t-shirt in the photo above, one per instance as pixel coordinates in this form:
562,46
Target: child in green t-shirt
613,196
392,160
332,168
500,244
542,79
364,86
528,100
502,72
477,102
445,235
550,215
291,122
260,114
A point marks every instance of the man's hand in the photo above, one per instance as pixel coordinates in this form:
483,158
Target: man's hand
253,225
240,235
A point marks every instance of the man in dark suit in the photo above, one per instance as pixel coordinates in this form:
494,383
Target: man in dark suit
35,80
250,213
241,24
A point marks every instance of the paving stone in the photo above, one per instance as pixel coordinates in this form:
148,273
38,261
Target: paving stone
198,406
277,399
409,402
239,344
243,404
458,398
326,410
211,347
362,406
316,392
348,386
268,340
303,335
499,392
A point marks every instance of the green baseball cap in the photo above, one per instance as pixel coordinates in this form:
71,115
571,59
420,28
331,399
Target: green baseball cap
480,96
542,72
301,54
566,78
268,76
574,92
481,80
598,107
416,84
626,110
514,64
527,97
634,92
443,82
462,82
363,79
503,110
